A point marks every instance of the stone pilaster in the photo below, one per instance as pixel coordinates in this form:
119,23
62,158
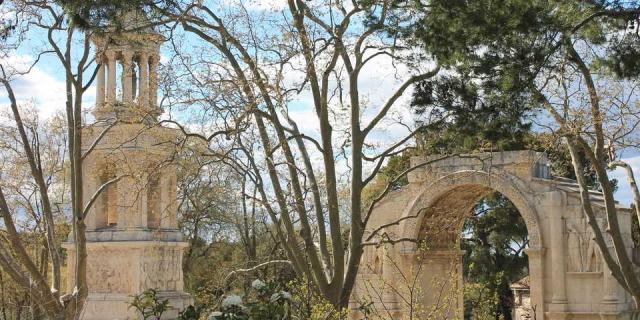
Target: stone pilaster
144,205
90,185
165,200
172,208
609,284
125,202
536,274
554,203
389,271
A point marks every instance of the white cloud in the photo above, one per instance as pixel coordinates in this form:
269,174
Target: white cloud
46,90
264,5
253,5
378,81
36,85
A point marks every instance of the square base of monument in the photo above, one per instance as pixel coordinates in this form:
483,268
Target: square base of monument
111,306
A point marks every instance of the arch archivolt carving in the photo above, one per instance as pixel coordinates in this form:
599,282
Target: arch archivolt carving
507,184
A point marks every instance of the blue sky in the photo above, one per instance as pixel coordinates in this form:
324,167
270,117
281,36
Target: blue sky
45,87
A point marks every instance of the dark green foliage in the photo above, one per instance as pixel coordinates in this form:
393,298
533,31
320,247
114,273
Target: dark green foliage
463,116
96,15
623,57
451,29
507,43
6,28
494,238
394,167
191,313
635,231
472,36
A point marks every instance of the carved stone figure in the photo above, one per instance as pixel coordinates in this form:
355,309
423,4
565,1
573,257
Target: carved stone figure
583,252
575,246
593,255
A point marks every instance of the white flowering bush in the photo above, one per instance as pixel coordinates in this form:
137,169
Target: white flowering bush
232,300
267,301
258,284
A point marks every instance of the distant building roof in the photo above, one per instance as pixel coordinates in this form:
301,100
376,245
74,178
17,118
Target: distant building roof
522,284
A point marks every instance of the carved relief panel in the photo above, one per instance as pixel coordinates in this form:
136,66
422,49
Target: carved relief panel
161,268
583,254
107,271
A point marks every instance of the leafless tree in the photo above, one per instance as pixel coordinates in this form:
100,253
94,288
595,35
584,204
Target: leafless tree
62,41
597,115
250,69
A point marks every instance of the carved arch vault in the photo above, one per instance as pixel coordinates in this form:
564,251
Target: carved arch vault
458,192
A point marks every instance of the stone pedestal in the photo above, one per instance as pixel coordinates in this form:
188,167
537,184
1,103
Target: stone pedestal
104,306
123,264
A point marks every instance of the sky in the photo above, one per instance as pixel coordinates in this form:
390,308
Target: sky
44,87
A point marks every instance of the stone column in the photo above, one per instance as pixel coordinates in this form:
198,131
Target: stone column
100,81
153,80
127,76
111,81
179,256
138,206
144,80
113,205
558,258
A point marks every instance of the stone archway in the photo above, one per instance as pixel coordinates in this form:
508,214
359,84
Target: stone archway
449,188
453,197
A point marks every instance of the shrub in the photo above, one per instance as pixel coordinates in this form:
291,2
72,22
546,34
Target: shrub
149,305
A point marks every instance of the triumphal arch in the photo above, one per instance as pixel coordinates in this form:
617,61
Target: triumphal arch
567,277
129,176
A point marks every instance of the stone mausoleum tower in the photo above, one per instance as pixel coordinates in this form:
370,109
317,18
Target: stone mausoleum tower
133,240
